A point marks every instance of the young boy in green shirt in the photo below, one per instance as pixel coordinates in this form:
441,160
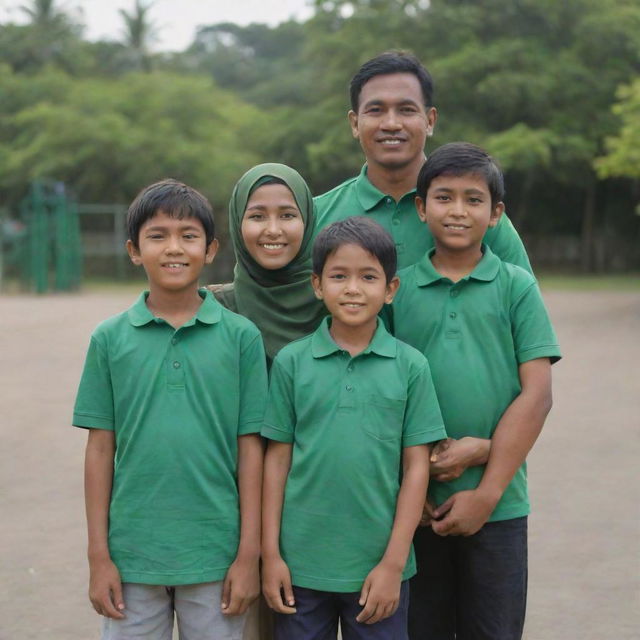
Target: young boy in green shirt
173,393
483,326
350,413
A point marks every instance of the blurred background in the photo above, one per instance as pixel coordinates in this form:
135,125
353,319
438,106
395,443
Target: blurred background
98,99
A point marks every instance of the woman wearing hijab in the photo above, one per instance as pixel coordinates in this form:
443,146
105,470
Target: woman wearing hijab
271,219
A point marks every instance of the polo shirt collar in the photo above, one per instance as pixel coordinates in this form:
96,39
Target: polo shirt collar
382,344
209,311
368,195
486,270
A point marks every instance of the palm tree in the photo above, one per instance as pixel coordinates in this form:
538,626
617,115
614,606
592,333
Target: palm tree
43,13
139,32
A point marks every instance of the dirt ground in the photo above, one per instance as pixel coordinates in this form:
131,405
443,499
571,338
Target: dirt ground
584,531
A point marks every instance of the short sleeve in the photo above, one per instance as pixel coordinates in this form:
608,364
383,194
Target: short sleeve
422,418
280,418
505,242
533,334
94,403
253,386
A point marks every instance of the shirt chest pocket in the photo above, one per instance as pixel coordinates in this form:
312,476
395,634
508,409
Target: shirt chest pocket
383,417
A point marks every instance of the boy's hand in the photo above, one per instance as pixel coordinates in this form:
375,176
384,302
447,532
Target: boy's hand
380,594
464,513
276,585
450,458
241,586
427,513
105,589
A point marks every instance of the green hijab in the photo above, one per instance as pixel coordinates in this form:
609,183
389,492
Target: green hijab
280,302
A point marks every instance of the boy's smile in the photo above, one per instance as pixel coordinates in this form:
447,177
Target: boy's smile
172,251
458,211
353,286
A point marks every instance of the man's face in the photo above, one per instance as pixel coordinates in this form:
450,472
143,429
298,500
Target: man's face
392,122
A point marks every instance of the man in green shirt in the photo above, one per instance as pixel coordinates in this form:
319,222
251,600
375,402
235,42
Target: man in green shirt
484,329
173,393
392,115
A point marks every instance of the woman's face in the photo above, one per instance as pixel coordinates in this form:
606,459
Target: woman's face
272,226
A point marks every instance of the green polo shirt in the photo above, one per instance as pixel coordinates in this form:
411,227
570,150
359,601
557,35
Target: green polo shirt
348,419
358,197
475,333
177,401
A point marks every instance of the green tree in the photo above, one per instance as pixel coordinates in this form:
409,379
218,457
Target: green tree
139,33
623,149
50,38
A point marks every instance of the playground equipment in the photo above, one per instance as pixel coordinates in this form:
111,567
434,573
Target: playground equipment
48,251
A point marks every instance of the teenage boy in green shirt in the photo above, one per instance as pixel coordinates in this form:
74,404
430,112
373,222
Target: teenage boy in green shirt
349,416
392,115
483,326
173,394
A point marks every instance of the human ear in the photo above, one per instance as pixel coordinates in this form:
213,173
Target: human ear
432,116
212,249
421,209
317,285
134,253
496,212
353,123
392,288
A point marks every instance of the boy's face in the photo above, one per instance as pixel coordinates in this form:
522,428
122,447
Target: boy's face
392,122
458,211
353,287
172,251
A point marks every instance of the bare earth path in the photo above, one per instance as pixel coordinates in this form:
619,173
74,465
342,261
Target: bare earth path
584,531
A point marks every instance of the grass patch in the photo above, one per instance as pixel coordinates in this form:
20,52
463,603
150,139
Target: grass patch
574,282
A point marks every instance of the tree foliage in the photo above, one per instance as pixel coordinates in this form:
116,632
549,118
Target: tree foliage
531,80
623,157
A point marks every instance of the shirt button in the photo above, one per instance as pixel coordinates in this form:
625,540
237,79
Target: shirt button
454,293
174,340
453,314
176,364
349,387
389,200
396,221
350,368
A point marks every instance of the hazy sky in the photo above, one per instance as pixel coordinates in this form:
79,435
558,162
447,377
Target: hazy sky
177,19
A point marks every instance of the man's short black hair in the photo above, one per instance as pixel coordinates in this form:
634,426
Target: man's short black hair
385,64
361,231
461,158
175,199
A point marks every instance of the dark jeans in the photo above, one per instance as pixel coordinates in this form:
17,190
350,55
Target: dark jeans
318,613
470,588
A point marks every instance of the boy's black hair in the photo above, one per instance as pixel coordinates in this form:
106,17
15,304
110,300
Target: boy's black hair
175,199
457,159
385,64
361,231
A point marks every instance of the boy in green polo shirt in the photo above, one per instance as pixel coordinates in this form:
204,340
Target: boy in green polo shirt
350,411
483,326
173,394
